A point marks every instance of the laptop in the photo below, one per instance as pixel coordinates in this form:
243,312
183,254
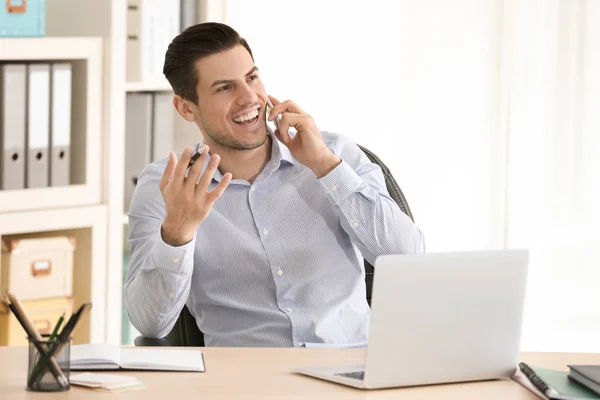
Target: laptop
440,318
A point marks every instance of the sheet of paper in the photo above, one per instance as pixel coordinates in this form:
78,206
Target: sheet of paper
105,381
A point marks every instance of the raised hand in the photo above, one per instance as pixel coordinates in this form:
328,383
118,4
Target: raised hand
307,146
187,200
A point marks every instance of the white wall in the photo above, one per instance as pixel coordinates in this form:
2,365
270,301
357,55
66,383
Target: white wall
471,120
416,82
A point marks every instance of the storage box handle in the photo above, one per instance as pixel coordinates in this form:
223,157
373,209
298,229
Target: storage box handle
43,326
13,8
41,267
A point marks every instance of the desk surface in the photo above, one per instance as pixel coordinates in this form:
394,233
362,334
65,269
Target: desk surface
253,373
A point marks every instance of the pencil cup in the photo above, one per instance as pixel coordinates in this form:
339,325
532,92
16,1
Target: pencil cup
49,364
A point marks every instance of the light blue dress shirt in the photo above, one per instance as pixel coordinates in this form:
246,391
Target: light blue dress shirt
277,263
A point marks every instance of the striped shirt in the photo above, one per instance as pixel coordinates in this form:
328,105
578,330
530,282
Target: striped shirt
277,263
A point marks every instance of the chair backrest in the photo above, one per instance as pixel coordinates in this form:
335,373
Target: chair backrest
186,332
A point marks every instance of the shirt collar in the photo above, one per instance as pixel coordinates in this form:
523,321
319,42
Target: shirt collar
279,153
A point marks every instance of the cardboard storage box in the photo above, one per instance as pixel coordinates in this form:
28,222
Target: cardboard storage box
43,313
37,268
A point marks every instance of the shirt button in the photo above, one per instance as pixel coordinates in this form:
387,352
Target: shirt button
171,295
265,231
253,188
289,310
334,188
176,260
355,224
279,272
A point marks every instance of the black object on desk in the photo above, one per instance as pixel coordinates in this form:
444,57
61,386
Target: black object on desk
586,375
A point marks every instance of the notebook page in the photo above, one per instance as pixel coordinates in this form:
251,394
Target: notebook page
162,359
99,355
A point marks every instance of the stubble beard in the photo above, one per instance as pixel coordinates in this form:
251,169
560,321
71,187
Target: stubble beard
227,141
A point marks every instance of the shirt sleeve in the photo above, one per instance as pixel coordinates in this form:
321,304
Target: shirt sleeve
373,220
159,275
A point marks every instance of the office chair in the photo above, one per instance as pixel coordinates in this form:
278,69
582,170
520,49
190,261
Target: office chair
185,332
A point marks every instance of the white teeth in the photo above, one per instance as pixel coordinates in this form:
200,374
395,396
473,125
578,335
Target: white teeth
246,117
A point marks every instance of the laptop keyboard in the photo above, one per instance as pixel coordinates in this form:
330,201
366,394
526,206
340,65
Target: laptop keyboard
360,375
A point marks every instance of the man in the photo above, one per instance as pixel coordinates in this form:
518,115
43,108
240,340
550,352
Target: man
264,238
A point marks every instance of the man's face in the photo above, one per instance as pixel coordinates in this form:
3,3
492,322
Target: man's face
231,100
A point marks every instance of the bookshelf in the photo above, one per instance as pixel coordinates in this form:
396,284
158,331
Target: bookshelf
76,210
93,35
85,53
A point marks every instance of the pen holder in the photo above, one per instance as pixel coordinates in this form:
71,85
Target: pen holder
49,364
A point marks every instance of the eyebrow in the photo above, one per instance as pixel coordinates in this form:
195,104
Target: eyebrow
223,81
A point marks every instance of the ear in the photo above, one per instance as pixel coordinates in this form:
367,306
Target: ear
184,107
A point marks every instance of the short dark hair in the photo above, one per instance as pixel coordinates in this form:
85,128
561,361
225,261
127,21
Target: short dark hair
194,43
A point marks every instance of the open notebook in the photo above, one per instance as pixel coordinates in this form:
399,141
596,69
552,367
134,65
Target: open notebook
106,356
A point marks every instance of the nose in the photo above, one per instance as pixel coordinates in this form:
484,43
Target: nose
247,95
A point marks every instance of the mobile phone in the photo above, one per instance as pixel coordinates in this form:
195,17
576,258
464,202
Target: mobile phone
276,120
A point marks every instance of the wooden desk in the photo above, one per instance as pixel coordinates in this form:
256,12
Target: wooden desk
251,373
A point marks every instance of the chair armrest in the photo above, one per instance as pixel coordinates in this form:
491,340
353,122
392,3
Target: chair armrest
147,341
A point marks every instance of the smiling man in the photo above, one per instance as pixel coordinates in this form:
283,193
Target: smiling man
264,237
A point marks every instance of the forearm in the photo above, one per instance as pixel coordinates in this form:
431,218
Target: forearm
157,284
370,217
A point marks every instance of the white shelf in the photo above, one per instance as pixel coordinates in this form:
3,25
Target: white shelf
50,197
159,86
86,145
51,220
51,48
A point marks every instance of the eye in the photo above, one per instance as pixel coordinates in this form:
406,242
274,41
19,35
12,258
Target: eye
224,88
253,77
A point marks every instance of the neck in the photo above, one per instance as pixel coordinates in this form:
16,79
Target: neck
243,164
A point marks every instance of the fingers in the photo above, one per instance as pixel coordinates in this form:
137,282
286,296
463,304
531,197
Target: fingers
168,174
287,106
287,120
207,176
196,168
218,190
274,100
182,165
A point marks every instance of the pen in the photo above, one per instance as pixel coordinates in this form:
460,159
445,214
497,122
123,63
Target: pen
58,324
196,156
541,385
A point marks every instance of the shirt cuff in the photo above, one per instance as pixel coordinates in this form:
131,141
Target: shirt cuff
174,259
341,182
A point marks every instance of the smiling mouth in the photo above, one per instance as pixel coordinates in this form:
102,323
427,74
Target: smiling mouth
247,119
